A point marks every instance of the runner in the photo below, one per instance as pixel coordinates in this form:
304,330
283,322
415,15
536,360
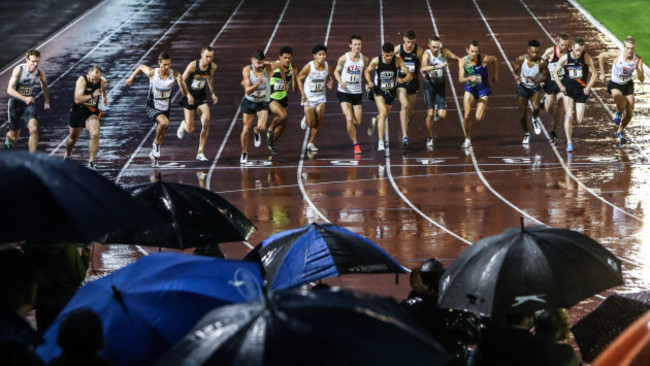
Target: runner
161,82
532,71
552,100
434,62
472,70
85,112
279,105
256,82
21,99
315,75
621,86
411,54
576,64
382,89
197,74
349,69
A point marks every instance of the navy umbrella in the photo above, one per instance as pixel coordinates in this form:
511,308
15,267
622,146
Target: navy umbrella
528,268
320,327
152,303
47,200
195,217
314,252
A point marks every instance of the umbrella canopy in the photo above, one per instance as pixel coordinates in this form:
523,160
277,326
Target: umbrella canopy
631,348
313,252
320,327
152,303
47,199
525,269
195,217
596,330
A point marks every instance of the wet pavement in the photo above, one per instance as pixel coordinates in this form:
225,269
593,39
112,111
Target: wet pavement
417,205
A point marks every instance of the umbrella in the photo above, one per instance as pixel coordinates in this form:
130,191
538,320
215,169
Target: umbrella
320,327
631,348
525,269
47,199
152,303
195,217
596,330
313,252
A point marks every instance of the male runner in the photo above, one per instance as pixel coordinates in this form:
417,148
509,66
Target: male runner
383,88
21,98
472,70
349,69
532,71
621,85
411,54
279,105
197,74
85,112
552,100
161,82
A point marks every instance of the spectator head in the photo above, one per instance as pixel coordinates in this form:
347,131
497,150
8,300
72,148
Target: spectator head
552,325
18,281
431,271
81,333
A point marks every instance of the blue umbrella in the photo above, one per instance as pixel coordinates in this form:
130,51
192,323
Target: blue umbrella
152,303
314,252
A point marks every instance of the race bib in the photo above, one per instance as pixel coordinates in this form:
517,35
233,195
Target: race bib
410,65
575,73
259,93
162,94
479,79
25,90
625,78
92,102
198,84
317,86
353,79
279,85
387,84
437,73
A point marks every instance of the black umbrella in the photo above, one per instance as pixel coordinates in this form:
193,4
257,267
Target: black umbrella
313,252
194,216
525,269
596,330
321,327
46,199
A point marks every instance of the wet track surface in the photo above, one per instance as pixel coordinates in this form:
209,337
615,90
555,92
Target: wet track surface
416,205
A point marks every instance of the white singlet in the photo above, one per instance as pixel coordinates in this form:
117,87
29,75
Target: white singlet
351,75
27,80
160,90
527,71
436,74
314,85
263,91
622,70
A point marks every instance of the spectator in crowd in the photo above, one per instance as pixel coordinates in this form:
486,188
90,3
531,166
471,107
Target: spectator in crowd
552,328
80,337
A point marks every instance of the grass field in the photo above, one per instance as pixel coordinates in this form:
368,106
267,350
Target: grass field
623,18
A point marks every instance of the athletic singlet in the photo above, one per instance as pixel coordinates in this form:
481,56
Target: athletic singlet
436,75
314,85
197,80
261,94
411,61
576,69
529,71
160,91
553,62
89,90
351,75
622,70
278,89
27,80
478,70
386,75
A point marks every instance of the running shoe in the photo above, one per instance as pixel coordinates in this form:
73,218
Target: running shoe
617,117
258,139
312,147
303,123
621,138
201,157
180,132
569,147
405,142
357,149
380,146
542,102
536,125
373,126
269,137
430,143
467,144
8,144
526,139
243,159
155,150
435,114
154,160
554,136
91,165
66,157
273,150
201,175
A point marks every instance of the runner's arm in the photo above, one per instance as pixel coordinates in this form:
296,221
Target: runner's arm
13,81
371,66
301,77
639,69
140,69
179,80
556,77
601,61
409,76
103,89
495,72
517,68
338,70
594,73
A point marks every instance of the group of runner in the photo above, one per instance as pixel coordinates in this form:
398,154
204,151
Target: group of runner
562,71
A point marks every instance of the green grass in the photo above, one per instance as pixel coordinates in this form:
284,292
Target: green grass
623,18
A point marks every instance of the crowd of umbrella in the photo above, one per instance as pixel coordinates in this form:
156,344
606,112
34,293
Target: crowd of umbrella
177,309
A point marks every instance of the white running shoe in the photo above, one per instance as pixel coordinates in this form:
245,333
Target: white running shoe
467,144
435,114
526,139
258,139
303,123
430,143
312,147
380,146
536,126
154,160
181,131
155,150
243,159
373,125
201,157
